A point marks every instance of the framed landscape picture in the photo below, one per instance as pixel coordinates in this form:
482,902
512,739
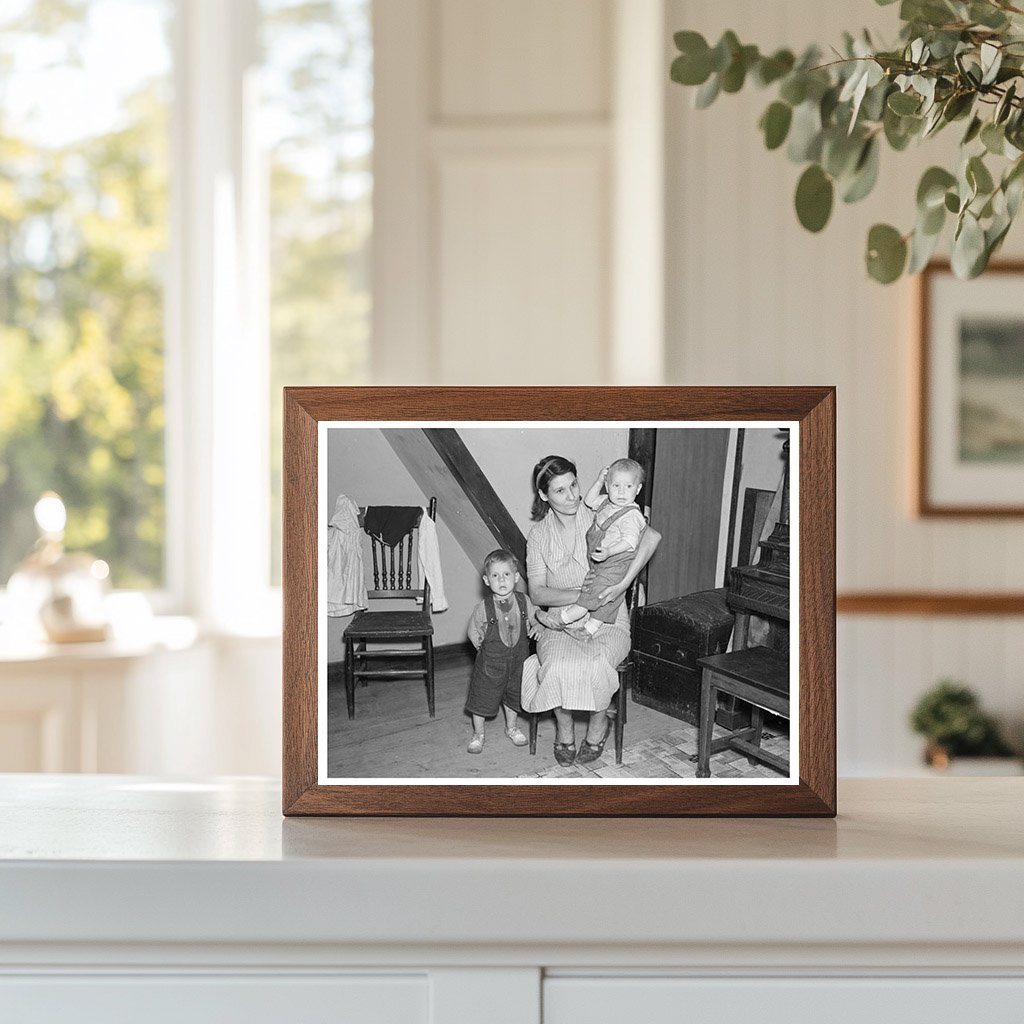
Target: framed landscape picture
970,451
559,601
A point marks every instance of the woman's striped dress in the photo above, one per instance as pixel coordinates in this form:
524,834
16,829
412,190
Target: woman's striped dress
579,675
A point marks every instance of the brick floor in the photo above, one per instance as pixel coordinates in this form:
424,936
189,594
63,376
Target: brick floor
668,756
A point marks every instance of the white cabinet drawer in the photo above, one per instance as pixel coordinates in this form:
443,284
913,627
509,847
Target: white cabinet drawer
568,1000
205,999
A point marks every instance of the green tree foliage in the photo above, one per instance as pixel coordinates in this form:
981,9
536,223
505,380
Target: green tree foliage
318,88
956,61
82,229
82,241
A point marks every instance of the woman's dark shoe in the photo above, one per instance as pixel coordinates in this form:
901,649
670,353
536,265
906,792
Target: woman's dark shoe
565,753
592,751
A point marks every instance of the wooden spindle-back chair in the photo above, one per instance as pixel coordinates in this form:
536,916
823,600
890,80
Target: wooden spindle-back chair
395,575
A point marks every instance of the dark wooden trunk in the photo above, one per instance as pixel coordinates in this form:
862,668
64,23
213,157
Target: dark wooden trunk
668,638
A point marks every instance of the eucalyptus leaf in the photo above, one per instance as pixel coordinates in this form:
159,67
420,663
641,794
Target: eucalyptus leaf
987,15
775,123
1004,106
991,59
707,93
994,235
931,190
933,122
943,44
993,138
925,88
771,69
958,105
839,152
968,247
724,51
805,133
930,12
735,74
828,104
865,173
873,106
903,103
1013,191
932,221
1013,187
952,202
973,129
693,65
814,194
978,176
922,248
794,88
886,253
900,130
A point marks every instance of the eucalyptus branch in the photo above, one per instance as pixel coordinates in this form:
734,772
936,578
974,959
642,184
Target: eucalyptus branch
833,117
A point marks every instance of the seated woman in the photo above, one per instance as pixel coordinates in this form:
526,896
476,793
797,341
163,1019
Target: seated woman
570,674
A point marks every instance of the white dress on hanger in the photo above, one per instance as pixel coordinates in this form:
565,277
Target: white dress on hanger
346,586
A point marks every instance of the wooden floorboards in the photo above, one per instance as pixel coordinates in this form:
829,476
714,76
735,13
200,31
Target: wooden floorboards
393,737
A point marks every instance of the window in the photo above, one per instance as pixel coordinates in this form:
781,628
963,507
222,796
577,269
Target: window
317,117
83,235
185,220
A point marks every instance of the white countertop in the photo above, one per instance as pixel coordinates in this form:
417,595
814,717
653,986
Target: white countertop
123,859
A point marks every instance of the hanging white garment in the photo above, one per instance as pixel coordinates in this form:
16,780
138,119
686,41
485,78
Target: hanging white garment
346,587
428,555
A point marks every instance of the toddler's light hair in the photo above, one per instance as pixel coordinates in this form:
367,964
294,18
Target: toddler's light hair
627,465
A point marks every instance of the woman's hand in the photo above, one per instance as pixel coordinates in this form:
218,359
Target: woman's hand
612,593
550,619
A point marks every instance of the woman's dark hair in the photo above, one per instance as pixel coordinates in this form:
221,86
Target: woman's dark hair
543,473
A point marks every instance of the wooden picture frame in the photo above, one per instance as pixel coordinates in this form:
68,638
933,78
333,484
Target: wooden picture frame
807,413
969,447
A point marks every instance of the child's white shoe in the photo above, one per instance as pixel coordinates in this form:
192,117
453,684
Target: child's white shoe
578,632
476,744
517,736
574,614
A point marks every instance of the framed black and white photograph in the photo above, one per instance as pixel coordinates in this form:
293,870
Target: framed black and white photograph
970,453
496,608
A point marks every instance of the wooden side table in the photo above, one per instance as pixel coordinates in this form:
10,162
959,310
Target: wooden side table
757,675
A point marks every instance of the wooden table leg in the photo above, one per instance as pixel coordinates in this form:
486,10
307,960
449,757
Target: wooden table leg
757,724
708,694
428,644
350,678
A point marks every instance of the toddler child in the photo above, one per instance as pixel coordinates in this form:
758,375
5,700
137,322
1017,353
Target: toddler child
611,542
499,628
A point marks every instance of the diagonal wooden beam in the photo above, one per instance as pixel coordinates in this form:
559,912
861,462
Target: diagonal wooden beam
442,466
477,488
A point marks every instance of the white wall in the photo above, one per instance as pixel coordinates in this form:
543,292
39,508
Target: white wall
507,458
753,298
509,136
361,464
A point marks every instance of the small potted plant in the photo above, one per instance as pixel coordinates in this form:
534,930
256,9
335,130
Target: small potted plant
950,717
